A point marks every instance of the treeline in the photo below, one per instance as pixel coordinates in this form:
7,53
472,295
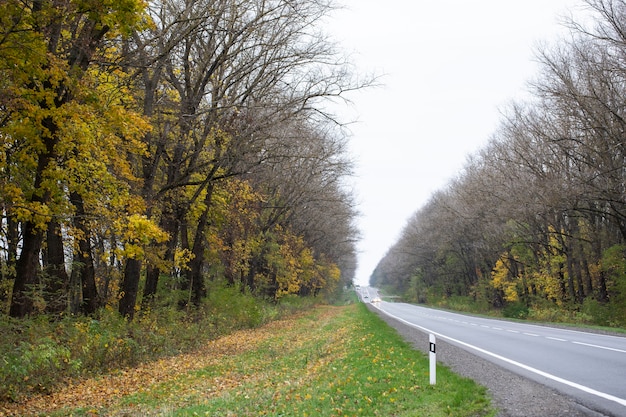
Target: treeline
535,224
151,147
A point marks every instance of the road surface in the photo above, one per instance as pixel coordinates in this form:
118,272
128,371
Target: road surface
587,366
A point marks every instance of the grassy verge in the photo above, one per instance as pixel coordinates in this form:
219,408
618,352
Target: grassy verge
40,354
330,361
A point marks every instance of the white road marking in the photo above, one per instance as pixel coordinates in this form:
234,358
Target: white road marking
572,384
556,338
600,347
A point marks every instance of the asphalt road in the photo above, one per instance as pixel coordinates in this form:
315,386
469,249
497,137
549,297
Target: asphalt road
587,366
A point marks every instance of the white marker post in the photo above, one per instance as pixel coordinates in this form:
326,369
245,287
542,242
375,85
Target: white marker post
432,356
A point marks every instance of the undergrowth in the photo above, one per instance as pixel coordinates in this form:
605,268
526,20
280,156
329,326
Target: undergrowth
38,354
328,361
590,314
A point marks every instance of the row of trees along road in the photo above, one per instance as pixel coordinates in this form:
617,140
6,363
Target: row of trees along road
537,218
150,146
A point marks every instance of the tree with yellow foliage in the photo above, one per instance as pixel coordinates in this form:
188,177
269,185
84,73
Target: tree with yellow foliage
57,130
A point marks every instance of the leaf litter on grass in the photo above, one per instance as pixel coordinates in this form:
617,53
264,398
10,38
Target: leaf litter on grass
99,392
322,362
96,395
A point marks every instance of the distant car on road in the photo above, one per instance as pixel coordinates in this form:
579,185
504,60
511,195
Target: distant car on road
376,300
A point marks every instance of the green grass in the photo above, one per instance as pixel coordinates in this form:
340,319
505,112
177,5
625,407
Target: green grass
331,361
40,354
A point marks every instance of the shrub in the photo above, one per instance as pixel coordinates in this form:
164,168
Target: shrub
549,314
34,368
38,353
458,303
515,311
229,308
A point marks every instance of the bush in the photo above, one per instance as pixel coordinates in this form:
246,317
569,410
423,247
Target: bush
108,342
36,354
515,311
229,308
549,314
601,314
34,368
458,303
292,303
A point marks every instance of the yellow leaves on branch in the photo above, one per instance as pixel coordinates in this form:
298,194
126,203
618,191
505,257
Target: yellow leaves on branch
138,232
182,257
514,275
295,267
35,212
501,278
93,133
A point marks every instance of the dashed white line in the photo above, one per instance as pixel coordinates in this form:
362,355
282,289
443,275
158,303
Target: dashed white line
558,339
586,389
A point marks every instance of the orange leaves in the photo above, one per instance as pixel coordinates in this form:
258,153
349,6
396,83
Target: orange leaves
165,378
319,363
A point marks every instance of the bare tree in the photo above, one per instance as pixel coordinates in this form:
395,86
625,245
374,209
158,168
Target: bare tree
229,72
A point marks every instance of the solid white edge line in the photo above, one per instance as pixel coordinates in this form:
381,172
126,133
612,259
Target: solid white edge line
600,347
583,388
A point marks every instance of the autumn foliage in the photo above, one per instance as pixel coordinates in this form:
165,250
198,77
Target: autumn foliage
151,147
163,162
535,224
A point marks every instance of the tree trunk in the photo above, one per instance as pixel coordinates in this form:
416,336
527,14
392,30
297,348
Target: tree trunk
12,243
196,278
152,282
84,265
603,293
56,278
129,288
26,272
588,281
171,225
91,301
570,277
75,292
27,266
12,237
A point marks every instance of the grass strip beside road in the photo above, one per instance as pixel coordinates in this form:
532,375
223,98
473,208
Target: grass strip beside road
329,361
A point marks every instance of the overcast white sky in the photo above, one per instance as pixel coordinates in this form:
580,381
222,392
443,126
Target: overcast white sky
451,66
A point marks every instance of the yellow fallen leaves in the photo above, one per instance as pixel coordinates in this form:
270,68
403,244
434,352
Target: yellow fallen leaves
100,392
